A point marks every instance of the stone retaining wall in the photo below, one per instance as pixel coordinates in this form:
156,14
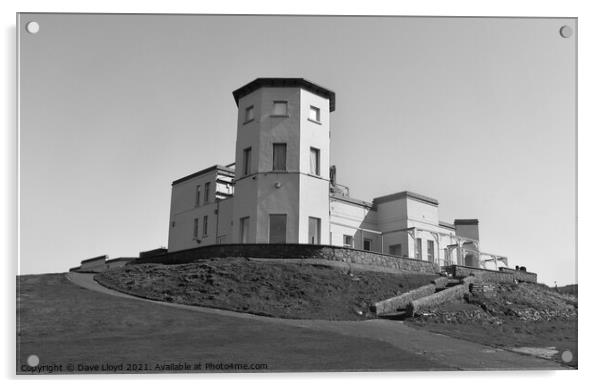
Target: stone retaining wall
441,297
505,275
293,251
396,303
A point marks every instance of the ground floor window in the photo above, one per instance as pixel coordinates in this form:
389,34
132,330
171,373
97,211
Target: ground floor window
367,244
430,250
277,229
195,228
347,241
244,230
395,250
314,230
419,248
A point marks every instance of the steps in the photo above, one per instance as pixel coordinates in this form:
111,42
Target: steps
440,291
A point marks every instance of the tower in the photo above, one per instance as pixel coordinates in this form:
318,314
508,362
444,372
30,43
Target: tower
282,159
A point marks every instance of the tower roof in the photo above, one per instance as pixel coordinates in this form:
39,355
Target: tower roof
284,83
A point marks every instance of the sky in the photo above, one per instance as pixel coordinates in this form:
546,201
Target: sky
479,113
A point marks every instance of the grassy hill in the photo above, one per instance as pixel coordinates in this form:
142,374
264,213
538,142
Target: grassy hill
510,316
274,289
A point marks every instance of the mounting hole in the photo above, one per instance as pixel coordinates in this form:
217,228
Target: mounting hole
32,27
566,31
33,360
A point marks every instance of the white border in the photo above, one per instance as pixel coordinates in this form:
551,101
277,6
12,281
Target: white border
588,159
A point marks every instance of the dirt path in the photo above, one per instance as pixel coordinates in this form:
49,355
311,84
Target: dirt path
455,353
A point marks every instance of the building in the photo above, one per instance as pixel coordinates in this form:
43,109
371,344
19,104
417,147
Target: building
282,189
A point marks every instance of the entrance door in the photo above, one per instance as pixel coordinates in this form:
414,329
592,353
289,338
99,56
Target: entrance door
314,231
277,228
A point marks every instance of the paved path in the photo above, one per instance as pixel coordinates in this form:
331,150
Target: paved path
455,353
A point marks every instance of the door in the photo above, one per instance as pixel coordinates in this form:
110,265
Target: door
314,231
277,228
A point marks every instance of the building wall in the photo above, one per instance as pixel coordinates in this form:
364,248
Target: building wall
348,218
184,211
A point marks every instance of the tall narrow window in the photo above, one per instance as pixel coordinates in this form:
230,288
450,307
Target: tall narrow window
419,248
249,114
314,161
206,194
279,156
277,228
314,230
246,161
280,108
197,197
205,224
244,230
195,228
367,244
430,250
347,241
314,114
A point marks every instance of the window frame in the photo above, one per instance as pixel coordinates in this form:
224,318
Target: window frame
205,225
318,119
418,248
197,196
274,146
249,117
270,222
317,166
369,241
246,161
319,230
207,190
429,244
279,102
345,242
195,228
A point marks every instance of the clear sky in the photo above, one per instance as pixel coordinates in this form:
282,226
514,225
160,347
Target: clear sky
476,112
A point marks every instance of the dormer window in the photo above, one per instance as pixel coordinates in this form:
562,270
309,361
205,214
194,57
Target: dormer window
314,114
280,108
249,114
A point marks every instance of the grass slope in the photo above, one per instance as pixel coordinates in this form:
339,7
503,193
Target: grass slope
65,324
272,289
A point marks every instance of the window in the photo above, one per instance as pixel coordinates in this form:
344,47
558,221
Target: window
244,230
246,161
279,157
430,250
277,228
249,114
280,108
395,250
195,229
314,230
367,244
419,248
206,195
205,222
314,114
347,241
197,198
314,161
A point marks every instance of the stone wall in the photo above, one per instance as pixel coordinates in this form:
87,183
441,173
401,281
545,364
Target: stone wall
505,275
293,251
441,297
401,302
